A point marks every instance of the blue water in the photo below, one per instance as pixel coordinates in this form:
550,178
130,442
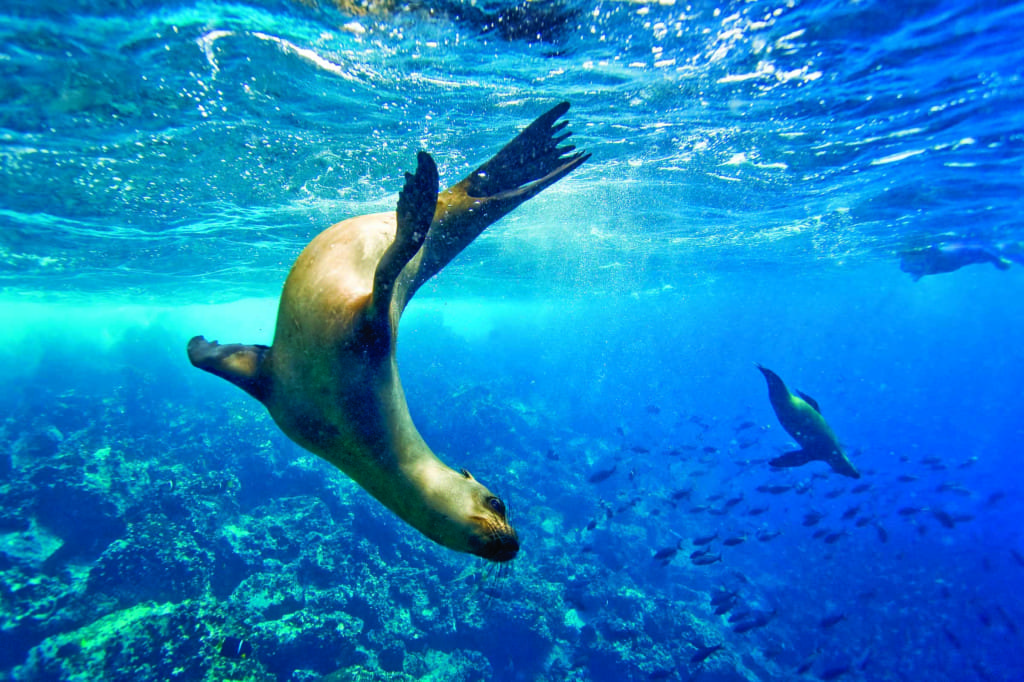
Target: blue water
757,170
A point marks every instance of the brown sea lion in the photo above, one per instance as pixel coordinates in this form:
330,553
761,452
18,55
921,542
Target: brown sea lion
330,380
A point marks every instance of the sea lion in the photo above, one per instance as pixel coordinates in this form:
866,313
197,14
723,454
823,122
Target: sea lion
942,258
801,417
330,379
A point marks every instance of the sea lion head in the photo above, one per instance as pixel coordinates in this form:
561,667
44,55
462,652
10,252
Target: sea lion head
473,519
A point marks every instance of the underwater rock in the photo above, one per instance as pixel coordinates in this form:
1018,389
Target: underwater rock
158,561
144,642
80,515
318,642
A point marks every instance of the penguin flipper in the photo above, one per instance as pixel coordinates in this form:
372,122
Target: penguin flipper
240,364
793,458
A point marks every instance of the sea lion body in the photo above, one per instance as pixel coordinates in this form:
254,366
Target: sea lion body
330,380
801,418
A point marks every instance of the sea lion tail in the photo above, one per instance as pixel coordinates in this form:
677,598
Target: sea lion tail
240,364
793,458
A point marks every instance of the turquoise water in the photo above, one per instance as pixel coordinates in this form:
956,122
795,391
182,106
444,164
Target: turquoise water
759,172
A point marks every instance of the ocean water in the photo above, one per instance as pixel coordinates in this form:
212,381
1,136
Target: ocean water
759,171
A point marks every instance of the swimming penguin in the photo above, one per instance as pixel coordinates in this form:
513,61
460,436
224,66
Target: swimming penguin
801,417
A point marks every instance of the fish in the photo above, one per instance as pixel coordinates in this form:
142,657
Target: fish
639,449
1017,557
850,513
862,521
735,540
756,511
703,652
882,534
969,462
667,553
698,509
552,455
774,489
812,518
908,511
718,512
653,409
745,425
592,524
722,596
233,647
953,639
943,518
758,621
724,607
683,493
602,474
833,538
832,620
906,478
862,488
833,494
732,502
766,535
819,533
706,559
834,672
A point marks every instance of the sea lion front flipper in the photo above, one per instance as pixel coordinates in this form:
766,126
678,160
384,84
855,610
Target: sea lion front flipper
236,362
416,205
524,167
810,401
794,458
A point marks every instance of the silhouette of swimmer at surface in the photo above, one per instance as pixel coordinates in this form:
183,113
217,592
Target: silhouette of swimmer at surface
940,258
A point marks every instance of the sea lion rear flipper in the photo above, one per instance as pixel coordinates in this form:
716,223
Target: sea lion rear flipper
415,213
236,362
524,167
794,458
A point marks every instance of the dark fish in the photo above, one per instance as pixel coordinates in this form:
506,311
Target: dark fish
735,540
862,488
850,513
819,533
732,502
233,647
766,535
830,621
592,524
682,494
833,494
706,559
722,596
602,474
985,619
716,497
808,663
718,512
833,538
968,463
862,521
1017,557
994,497
942,517
737,616
812,518
666,553
952,638
931,460
722,609
882,534
653,409
758,621
639,449
774,489
756,511
1010,624
834,673
703,652
745,425
698,509
908,511
709,449
906,478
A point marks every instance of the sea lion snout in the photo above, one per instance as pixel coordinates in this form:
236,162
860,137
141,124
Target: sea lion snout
500,546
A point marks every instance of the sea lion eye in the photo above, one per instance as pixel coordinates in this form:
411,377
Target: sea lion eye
497,505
